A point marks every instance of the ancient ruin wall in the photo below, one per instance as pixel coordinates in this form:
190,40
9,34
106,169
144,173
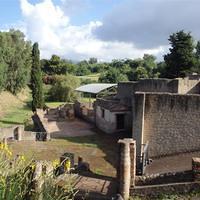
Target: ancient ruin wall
171,123
188,86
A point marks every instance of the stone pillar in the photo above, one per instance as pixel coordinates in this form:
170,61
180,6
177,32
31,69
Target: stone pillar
133,161
126,168
38,179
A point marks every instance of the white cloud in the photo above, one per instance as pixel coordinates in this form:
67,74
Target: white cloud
47,24
148,23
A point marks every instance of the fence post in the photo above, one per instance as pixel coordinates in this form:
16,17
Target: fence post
126,168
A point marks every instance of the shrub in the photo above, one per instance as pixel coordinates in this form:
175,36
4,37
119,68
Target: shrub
63,89
16,180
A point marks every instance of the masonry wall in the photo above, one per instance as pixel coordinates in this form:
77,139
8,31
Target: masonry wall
125,91
157,85
108,122
8,132
171,123
188,85
138,120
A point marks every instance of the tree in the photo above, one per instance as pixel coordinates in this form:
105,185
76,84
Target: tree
198,50
113,75
15,60
92,61
63,89
36,79
181,58
197,66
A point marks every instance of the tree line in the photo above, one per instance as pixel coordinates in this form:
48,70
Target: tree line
19,60
183,59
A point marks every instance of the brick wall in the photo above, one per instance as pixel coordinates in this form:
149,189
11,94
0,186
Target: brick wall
171,123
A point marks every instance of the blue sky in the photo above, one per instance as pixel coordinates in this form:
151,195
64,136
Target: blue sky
106,29
10,12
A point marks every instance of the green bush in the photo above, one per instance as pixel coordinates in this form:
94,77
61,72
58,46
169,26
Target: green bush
63,89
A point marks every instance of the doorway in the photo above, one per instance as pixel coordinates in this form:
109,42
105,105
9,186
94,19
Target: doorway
120,118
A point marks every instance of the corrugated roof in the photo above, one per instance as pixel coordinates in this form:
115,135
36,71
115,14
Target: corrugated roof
94,88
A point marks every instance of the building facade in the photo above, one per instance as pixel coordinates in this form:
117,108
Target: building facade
163,112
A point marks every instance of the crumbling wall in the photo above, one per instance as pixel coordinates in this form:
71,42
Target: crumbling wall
8,132
83,111
171,123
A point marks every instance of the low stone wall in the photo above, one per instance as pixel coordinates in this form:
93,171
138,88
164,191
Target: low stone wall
18,133
153,191
82,111
167,178
39,122
8,132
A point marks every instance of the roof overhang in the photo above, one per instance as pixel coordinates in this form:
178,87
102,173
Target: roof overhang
95,88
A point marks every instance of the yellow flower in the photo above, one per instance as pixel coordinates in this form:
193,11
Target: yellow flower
55,163
22,158
33,166
8,152
67,165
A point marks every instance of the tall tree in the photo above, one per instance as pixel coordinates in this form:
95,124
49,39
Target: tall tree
181,58
15,60
36,79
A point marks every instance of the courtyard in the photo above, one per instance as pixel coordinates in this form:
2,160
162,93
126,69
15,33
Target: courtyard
99,150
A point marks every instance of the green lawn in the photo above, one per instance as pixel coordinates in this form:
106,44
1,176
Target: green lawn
15,109
93,77
16,115
54,104
86,100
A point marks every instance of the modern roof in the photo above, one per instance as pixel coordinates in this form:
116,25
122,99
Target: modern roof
94,88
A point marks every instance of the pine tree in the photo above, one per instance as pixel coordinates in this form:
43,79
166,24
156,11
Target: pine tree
36,79
181,58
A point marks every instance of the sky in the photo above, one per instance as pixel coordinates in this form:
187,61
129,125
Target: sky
105,29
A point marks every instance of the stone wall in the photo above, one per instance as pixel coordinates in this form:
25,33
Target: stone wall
108,123
83,111
125,91
171,122
8,132
188,85
155,191
157,85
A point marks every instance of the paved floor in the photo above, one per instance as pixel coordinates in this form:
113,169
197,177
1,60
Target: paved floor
60,129
176,163
93,187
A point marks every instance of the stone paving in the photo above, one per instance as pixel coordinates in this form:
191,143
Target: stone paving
60,129
93,187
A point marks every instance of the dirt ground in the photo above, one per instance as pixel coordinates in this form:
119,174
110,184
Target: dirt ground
100,151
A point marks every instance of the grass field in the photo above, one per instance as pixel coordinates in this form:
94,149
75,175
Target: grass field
92,77
14,109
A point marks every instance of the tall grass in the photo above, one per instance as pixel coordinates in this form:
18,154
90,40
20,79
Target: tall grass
17,183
